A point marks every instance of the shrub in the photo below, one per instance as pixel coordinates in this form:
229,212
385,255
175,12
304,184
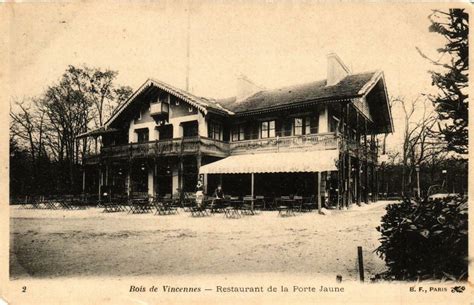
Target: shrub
425,239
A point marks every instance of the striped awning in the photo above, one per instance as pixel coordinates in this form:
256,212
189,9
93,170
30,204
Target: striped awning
285,162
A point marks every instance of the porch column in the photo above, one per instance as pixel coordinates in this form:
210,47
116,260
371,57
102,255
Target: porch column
129,177
342,155
319,192
204,176
151,182
128,183
205,183
100,183
357,163
83,179
349,180
252,187
252,184
106,174
366,166
175,178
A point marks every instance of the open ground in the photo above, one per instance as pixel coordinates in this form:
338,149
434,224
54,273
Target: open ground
82,243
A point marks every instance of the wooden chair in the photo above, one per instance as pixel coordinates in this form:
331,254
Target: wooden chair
246,207
285,207
297,204
309,204
199,210
259,203
188,201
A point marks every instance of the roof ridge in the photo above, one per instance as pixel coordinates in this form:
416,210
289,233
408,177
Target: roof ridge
299,84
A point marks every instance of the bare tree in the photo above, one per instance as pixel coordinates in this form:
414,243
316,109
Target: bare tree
419,142
99,87
27,124
48,125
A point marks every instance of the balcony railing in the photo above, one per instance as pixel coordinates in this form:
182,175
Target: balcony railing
363,152
320,141
211,147
171,147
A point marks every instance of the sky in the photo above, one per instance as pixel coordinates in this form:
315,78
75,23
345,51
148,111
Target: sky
273,43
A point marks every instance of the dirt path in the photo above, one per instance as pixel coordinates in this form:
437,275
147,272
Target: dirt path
48,243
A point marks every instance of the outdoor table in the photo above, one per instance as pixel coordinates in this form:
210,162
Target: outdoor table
232,211
140,205
217,204
286,205
248,206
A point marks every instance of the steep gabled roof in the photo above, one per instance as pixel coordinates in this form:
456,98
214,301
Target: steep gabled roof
201,103
351,86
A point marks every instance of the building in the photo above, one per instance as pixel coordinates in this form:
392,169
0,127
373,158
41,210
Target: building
312,139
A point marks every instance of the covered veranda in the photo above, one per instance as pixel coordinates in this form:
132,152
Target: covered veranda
273,175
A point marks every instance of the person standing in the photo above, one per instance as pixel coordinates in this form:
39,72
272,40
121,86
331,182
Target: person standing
199,194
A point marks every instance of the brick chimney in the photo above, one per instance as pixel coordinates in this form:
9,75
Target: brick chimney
245,88
337,70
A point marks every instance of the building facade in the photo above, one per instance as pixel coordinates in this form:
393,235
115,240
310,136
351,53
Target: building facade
316,139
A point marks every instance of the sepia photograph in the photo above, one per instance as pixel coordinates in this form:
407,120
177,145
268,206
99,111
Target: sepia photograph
270,151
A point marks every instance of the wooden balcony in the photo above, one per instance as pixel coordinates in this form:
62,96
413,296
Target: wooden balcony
162,148
322,141
159,111
365,153
210,147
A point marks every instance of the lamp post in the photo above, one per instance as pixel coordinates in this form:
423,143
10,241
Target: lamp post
445,174
417,168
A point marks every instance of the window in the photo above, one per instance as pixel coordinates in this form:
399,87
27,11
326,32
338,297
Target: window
239,133
235,133
142,135
314,124
242,133
190,129
268,129
298,127
305,125
165,132
252,130
286,128
215,131
333,122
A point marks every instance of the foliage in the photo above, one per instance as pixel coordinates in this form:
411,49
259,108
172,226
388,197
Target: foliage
452,100
45,128
425,239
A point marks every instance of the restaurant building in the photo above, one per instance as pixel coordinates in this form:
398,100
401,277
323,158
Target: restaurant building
316,139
